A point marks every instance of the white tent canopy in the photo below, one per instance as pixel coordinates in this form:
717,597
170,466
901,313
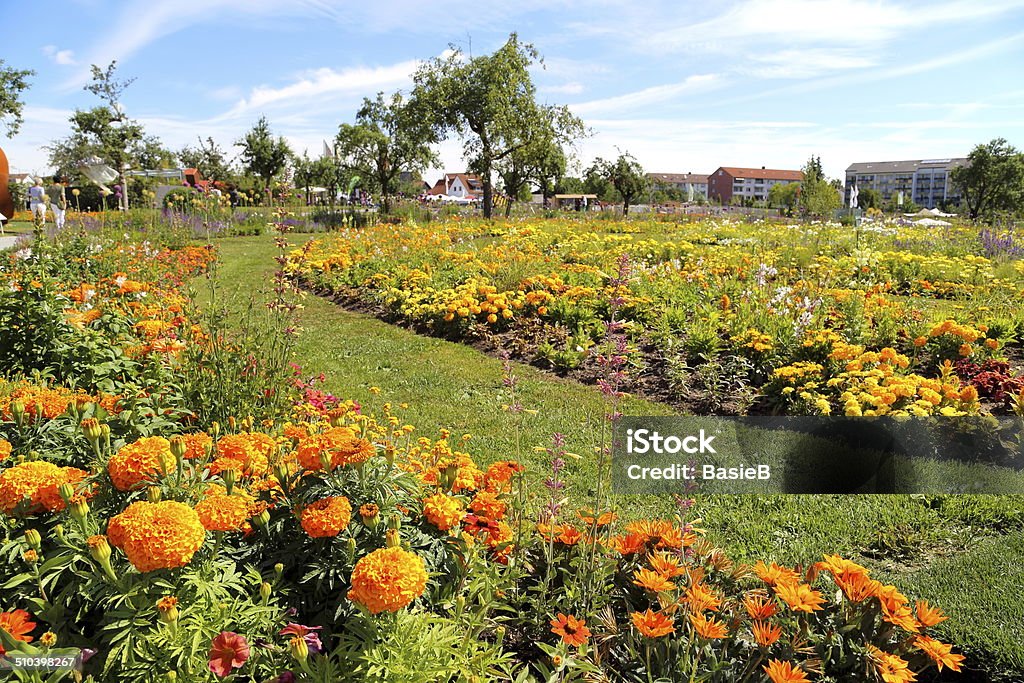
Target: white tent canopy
931,221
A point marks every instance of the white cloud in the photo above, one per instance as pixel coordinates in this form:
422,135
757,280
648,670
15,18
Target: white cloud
62,57
320,83
657,94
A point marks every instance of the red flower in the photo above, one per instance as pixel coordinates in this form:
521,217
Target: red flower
307,633
229,651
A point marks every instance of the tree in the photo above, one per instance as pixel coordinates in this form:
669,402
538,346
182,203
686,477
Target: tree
490,101
263,155
992,180
818,196
390,136
542,160
208,157
784,195
625,174
869,198
12,83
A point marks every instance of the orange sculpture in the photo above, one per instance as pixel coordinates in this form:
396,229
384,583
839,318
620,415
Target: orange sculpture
6,202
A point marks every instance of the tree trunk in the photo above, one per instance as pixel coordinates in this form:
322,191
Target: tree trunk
124,189
508,207
625,206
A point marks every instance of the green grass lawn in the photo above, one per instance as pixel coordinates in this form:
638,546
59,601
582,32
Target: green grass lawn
963,553
18,228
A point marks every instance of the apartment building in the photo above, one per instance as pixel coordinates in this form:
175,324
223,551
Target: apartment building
925,182
692,185
731,184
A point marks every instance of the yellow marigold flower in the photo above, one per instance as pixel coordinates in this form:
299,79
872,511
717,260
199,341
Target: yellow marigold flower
442,511
162,535
220,512
652,624
140,461
326,517
388,579
37,482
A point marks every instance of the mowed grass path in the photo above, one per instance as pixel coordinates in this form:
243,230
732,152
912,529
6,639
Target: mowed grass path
962,553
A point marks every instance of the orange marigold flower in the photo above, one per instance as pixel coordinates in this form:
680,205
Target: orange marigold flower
708,628
891,668
572,630
139,462
162,535
928,616
784,672
38,483
652,581
653,624
388,579
442,511
940,653
246,452
5,449
499,475
800,597
196,445
338,442
774,574
487,504
758,606
18,623
327,517
765,633
220,512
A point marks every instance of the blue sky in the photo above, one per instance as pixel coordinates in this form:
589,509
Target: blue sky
683,86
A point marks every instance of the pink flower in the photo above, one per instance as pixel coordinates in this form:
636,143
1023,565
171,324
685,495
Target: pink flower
229,651
307,633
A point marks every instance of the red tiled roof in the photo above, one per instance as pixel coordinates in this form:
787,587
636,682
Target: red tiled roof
766,173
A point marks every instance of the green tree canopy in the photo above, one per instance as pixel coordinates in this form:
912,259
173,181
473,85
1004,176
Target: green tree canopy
490,101
209,158
992,181
818,196
542,161
784,195
625,174
263,155
391,135
12,83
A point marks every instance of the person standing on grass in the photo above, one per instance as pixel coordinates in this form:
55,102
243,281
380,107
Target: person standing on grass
37,201
58,201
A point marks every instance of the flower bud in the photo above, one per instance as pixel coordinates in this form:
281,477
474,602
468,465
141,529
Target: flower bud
33,539
370,514
499,634
48,639
67,492
395,522
167,606
350,548
99,548
92,429
178,447
389,453
460,605
392,539
170,676
230,477
298,648
261,520
232,423
278,571
30,556
325,460
153,494
18,411
58,531
281,474
79,508
105,432
215,430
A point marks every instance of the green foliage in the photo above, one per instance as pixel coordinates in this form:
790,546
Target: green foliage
262,154
209,158
992,181
12,83
624,174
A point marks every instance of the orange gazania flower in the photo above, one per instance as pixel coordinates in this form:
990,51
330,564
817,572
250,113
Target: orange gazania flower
765,633
630,544
940,653
758,606
891,668
708,628
784,672
570,536
652,581
572,630
18,623
590,519
667,564
858,587
774,574
653,624
800,597
701,597
928,616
